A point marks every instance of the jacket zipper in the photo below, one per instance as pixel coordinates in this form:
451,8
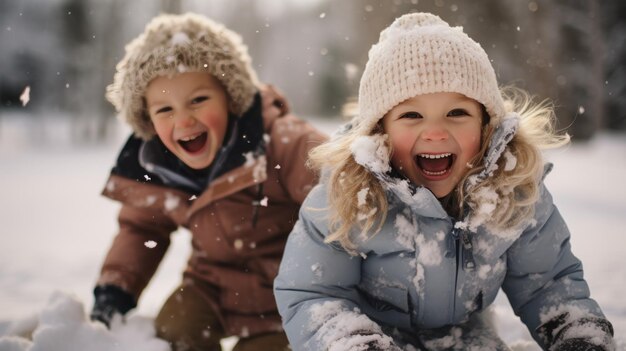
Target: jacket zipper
458,253
464,261
468,251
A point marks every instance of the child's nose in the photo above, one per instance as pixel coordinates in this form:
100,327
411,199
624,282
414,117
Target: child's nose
435,133
185,120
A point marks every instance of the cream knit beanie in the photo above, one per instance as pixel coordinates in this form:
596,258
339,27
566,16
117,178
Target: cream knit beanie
173,44
418,54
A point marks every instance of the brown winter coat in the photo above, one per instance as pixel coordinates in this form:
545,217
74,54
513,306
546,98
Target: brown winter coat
234,259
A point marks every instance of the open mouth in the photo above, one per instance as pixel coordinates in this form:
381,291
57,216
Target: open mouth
193,143
434,165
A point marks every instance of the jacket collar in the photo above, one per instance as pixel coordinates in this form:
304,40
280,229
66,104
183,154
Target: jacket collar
253,172
178,203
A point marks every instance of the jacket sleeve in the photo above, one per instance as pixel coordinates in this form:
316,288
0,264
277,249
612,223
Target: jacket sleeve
544,279
137,249
315,290
291,139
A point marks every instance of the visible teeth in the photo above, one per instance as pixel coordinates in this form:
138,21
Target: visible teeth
189,138
434,173
435,156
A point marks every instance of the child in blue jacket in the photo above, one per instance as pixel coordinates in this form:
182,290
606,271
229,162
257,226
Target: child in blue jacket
432,200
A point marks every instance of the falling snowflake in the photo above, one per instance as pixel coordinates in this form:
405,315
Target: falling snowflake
263,202
351,70
25,97
171,202
238,244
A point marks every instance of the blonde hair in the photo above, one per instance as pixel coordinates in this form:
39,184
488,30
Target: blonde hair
517,188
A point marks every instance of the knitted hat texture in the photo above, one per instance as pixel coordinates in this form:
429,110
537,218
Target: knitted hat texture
418,54
174,44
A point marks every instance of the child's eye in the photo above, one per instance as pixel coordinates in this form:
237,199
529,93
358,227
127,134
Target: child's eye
458,112
163,110
199,99
411,115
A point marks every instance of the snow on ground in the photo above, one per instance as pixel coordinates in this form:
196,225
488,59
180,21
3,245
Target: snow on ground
63,326
56,229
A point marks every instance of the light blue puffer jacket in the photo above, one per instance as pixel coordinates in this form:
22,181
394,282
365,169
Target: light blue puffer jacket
420,273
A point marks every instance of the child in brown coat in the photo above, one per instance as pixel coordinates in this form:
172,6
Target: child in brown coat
215,152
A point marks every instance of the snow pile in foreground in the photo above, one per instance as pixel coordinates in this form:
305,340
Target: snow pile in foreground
64,326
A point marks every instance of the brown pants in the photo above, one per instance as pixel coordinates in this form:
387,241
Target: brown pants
188,323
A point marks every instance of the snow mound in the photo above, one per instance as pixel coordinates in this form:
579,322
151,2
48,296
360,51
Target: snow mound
63,325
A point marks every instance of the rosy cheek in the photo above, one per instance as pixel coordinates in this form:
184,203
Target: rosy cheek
469,141
215,121
402,142
402,145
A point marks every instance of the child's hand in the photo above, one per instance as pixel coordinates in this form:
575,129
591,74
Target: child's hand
563,334
110,300
274,103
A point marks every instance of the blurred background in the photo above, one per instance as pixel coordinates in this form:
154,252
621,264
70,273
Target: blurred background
570,51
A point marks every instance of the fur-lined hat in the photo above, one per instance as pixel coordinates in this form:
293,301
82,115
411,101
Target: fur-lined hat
173,44
418,54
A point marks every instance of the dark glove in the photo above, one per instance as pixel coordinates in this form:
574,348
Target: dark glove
109,300
555,331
